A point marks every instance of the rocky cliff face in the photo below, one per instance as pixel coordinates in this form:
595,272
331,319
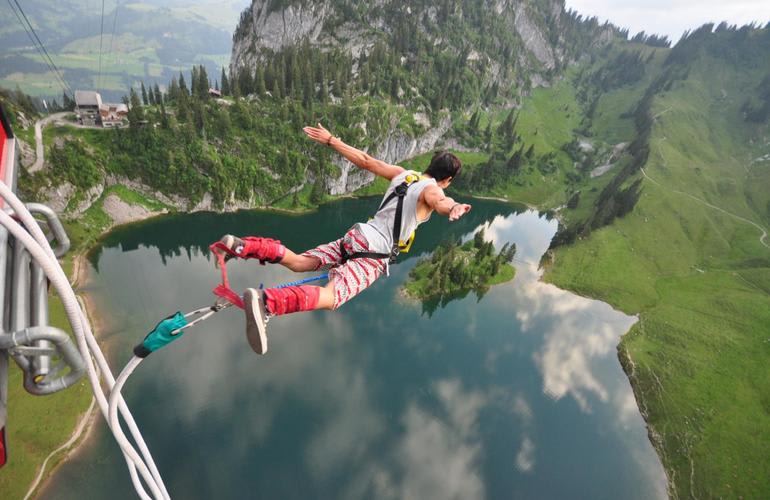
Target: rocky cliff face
263,27
527,46
266,26
396,148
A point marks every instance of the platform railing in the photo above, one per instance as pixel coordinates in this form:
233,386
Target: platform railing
46,355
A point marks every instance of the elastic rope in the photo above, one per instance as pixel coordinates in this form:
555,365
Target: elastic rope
303,281
38,246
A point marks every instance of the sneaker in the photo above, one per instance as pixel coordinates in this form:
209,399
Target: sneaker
256,320
234,243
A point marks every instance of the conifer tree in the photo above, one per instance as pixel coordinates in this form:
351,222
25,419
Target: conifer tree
164,124
135,112
145,101
225,83
173,90
194,87
183,86
259,81
203,82
158,95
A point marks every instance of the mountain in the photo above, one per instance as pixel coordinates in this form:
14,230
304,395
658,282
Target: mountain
139,41
655,159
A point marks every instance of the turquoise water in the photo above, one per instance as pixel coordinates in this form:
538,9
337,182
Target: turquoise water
518,394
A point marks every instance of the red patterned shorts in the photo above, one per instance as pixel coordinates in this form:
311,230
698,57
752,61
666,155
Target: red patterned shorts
352,277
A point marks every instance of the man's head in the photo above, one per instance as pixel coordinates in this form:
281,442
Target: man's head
444,166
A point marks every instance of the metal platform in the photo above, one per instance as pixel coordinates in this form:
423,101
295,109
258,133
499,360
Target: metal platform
46,355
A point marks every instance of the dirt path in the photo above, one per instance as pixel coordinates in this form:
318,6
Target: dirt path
762,238
86,421
57,118
83,424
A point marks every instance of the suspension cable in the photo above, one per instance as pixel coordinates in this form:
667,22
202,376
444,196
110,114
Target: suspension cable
38,44
114,26
101,37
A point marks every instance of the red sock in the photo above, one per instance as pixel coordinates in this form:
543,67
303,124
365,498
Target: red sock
291,299
264,249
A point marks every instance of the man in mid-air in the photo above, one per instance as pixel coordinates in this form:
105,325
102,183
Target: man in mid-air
364,253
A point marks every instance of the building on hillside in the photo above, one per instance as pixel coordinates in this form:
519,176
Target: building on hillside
87,107
215,93
113,115
90,110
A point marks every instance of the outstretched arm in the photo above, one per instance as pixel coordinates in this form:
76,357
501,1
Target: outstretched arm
356,156
436,199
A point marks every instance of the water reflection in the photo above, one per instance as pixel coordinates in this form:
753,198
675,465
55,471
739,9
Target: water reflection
519,395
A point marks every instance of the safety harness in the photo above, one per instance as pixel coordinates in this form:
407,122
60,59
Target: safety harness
399,193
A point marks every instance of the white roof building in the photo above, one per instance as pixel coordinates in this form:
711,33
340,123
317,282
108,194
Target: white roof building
87,98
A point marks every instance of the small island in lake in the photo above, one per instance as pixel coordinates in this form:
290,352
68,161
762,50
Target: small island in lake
454,269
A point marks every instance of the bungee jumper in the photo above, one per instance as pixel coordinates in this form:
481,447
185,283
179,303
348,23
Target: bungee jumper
353,261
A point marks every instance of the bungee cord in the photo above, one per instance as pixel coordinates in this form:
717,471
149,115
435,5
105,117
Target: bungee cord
140,464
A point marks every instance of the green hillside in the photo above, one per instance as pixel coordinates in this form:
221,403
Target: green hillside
690,263
655,160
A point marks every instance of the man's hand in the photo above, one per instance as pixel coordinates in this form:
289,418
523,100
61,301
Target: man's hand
318,134
458,210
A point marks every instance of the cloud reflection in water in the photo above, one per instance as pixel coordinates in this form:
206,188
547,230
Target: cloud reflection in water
375,401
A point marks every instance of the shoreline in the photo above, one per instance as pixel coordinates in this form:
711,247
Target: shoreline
84,432
85,425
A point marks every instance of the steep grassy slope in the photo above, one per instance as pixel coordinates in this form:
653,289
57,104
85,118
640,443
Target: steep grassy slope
690,262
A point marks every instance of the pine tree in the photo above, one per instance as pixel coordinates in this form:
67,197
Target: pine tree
203,83
194,81
198,119
183,85
259,82
158,95
135,112
245,82
225,83
145,101
163,116
173,90
530,152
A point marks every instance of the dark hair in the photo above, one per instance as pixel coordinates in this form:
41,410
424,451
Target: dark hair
443,165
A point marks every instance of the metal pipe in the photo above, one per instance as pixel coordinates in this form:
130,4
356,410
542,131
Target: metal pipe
19,292
65,347
55,225
39,247
38,316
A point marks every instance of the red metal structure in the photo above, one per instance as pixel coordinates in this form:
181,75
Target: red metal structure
7,173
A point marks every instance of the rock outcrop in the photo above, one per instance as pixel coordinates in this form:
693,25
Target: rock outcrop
397,147
265,25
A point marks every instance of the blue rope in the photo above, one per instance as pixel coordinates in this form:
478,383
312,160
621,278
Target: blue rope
299,282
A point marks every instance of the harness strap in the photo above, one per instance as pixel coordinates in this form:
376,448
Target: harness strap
360,255
399,192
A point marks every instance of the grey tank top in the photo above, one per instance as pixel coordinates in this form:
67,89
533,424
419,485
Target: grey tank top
379,230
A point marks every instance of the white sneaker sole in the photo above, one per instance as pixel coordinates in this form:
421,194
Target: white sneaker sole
256,322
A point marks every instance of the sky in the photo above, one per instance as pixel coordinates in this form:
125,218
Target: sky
672,17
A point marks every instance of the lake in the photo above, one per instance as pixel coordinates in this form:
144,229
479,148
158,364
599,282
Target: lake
515,394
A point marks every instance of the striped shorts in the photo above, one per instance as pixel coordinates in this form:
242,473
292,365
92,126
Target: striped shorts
352,277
